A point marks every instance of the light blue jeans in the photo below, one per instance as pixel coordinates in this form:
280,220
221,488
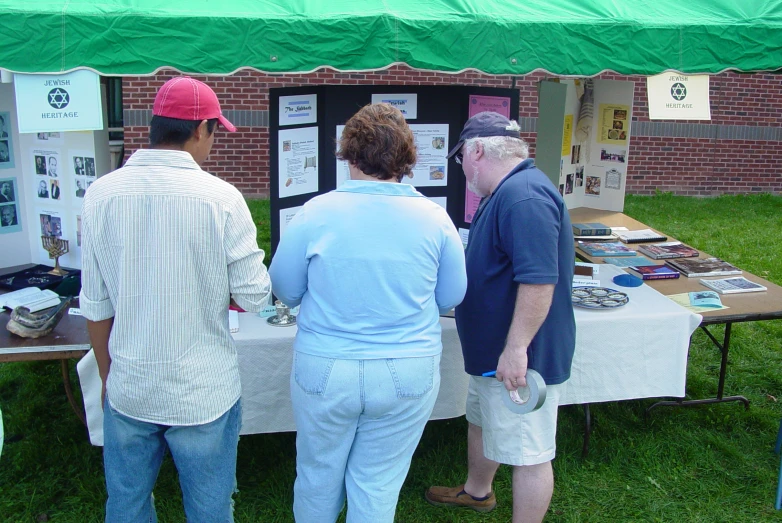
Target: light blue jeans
358,423
204,455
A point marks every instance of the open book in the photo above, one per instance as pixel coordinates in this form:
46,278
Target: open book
31,297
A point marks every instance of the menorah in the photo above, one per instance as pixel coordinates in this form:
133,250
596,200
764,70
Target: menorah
56,247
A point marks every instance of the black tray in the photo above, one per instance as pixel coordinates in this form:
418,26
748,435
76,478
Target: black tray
36,276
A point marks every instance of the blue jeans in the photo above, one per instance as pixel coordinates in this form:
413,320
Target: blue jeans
204,455
358,423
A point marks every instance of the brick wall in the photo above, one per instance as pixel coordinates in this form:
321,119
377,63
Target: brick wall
738,151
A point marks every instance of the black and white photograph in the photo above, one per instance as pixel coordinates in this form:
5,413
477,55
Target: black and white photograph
54,190
580,176
8,215
7,190
5,152
78,166
40,164
6,142
80,188
89,166
50,138
43,189
52,167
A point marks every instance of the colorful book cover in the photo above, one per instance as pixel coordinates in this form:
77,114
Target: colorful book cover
659,251
695,267
657,272
606,249
705,299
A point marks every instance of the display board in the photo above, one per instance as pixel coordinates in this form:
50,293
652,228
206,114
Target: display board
583,140
42,185
307,122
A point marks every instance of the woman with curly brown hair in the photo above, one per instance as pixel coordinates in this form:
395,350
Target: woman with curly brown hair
372,264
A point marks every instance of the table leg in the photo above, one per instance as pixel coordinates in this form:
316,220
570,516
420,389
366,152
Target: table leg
587,430
724,347
66,381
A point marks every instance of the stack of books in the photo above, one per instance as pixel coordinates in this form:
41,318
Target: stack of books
659,251
699,267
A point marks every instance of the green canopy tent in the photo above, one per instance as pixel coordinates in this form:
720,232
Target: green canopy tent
565,37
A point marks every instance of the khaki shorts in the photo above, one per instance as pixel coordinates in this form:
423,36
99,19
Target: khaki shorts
512,439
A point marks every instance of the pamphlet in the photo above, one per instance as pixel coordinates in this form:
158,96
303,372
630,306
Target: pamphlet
705,299
683,300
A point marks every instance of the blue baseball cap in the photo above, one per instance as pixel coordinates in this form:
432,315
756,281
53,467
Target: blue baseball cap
486,124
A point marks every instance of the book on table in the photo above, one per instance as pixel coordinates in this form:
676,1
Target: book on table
606,249
660,251
632,261
657,272
643,235
31,297
603,237
733,285
698,267
591,229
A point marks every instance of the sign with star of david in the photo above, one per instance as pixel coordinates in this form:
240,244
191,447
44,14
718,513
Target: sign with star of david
677,96
58,102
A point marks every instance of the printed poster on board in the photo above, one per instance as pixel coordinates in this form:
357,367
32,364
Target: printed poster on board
431,169
613,124
298,161
675,96
478,104
407,103
58,102
299,109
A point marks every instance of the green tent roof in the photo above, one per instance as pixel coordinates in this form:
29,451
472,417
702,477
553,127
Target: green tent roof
568,37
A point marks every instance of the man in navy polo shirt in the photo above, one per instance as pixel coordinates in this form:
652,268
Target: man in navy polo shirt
517,314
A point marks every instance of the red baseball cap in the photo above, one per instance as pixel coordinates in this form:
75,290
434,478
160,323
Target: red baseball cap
186,98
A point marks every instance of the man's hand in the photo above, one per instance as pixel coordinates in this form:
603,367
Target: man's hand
512,368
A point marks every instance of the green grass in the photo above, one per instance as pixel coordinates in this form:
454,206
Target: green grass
703,464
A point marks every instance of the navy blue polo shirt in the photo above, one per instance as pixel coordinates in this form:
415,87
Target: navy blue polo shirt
521,234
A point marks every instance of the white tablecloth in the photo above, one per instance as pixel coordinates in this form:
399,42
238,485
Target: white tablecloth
636,351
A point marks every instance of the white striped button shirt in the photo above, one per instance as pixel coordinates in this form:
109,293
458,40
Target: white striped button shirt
165,246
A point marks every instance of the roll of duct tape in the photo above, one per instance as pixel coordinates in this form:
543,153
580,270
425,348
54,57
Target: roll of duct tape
527,399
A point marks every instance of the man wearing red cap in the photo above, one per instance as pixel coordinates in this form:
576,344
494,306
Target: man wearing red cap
166,247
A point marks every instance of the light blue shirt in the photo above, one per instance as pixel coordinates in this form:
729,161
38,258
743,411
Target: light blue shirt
372,265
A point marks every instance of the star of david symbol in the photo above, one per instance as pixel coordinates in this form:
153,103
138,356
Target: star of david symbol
678,91
59,98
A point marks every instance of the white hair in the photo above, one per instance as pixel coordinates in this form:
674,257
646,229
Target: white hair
500,148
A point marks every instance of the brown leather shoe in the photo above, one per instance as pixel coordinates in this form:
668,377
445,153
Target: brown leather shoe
457,497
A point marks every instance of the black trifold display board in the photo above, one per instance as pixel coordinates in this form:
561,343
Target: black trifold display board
440,105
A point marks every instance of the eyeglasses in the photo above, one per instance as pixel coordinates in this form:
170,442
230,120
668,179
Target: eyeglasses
458,157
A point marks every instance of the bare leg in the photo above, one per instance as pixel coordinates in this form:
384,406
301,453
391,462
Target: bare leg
480,471
532,489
